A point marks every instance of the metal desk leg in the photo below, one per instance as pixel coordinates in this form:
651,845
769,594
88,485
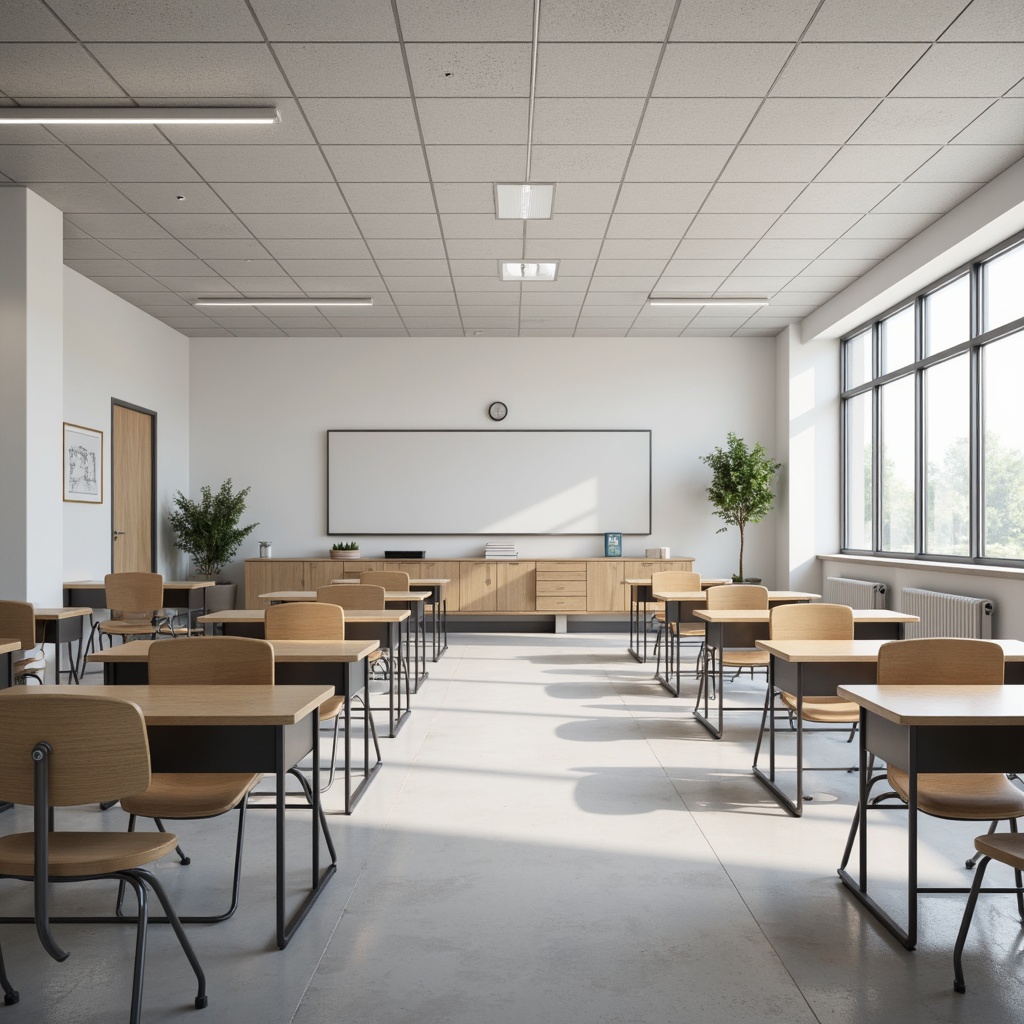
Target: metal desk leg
795,807
713,640
352,796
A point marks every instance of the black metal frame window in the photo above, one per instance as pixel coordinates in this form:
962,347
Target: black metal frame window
932,420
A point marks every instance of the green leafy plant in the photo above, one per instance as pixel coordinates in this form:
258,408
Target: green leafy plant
208,529
350,546
741,485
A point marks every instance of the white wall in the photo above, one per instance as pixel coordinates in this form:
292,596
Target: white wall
114,350
260,408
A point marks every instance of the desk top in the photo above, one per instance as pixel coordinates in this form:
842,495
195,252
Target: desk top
310,595
854,650
706,581
6,646
764,615
204,705
941,705
250,615
284,650
177,584
440,582
62,613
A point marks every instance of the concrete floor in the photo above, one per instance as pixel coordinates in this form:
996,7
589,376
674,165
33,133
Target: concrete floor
553,839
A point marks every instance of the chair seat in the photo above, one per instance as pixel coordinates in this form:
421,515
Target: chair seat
121,627
988,796
825,709
686,629
331,708
33,663
1005,847
84,853
745,659
190,795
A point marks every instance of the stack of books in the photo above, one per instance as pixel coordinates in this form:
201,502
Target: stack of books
500,549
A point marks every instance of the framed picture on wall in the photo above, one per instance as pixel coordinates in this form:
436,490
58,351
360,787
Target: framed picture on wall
83,464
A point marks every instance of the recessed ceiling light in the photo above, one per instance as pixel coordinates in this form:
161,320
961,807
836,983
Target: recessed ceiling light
708,300
525,201
520,270
139,115
362,301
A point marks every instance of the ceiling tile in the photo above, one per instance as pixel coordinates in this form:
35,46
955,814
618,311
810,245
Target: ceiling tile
162,248
1001,124
419,284
720,69
290,131
105,268
812,225
789,248
575,163
224,70
258,163
470,69
713,248
875,163
730,225
137,163
610,284
583,197
162,197
323,268
861,248
398,225
777,163
326,19
175,268
461,197
330,284
483,122
247,268
926,197
103,135
377,163
847,69
919,121
406,248
415,268
478,163
487,20
689,121
829,267
372,197
569,225
445,303
777,268
677,163
202,225
698,268
586,20
295,225
281,197
479,225
26,20
808,120
29,70
117,225
86,249
986,20
565,248
177,19
596,69
44,163
344,69
767,19
227,248
608,267
362,121
649,225
890,225
483,248
750,197
588,122
700,284
840,197
653,197
875,20
965,69
83,197
968,163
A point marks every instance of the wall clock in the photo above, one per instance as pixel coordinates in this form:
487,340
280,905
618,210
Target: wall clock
497,411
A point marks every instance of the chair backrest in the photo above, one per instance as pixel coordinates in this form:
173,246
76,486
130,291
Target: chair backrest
304,620
740,596
387,580
811,622
353,596
18,622
100,751
211,660
940,661
675,580
134,594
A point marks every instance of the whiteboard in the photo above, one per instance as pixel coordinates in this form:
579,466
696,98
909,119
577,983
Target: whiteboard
492,482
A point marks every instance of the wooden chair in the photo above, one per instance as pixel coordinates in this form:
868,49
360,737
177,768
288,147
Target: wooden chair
183,796
61,749
135,600
358,597
320,621
741,597
677,631
396,581
18,622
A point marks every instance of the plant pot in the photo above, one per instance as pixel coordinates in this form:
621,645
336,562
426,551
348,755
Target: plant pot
221,598
746,579
344,554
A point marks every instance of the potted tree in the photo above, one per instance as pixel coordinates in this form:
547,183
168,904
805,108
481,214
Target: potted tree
208,531
741,487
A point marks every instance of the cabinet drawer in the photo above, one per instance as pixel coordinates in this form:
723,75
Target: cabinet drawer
561,587
548,574
561,604
566,566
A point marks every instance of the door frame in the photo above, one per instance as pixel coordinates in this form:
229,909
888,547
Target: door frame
152,479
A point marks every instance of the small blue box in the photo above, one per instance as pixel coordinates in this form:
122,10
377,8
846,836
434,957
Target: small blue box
613,545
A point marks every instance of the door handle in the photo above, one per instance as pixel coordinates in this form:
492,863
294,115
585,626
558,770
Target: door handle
118,533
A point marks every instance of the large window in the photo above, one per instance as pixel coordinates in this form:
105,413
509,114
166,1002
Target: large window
933,420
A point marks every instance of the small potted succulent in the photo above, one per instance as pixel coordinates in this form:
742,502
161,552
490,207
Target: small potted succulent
348,550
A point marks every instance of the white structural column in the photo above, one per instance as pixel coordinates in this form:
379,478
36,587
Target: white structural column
31,397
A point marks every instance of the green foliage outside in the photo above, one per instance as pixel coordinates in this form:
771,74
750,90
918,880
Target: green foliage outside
741,485
208,529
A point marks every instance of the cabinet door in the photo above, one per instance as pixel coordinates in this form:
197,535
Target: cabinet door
351,570
605,592
263,575
477,587
517,586
321,571
440,571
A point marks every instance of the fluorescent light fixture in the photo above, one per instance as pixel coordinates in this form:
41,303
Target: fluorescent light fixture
525,201
521,270
139,115
708,300
362,301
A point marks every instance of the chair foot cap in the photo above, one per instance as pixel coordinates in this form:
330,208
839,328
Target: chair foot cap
185,861
201,1002
10,998
959,986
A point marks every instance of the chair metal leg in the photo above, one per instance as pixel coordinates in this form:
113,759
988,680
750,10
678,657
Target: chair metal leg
142,921
10,993
965,925
971,861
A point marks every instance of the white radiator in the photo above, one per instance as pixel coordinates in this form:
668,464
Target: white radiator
946,614
855,593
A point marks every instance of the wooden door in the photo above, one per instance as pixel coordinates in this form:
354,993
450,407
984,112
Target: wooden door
132,437
605,591
477,591
517,586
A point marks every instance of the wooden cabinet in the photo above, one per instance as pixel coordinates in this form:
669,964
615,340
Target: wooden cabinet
636,569
517,586
605,590
562,587
478,590
263,575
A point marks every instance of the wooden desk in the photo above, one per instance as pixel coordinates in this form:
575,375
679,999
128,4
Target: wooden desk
60,626
729,627
190,594
639,598
266,729
340,664
360,624
7,648
929,729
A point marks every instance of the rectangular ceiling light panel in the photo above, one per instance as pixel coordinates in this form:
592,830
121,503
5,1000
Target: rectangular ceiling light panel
359,301
526,201
139,115
521,270
708,300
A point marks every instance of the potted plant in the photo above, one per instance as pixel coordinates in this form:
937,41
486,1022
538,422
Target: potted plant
349,550
208,531
741,487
